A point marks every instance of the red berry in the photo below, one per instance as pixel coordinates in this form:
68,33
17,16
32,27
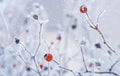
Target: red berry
59,38
41,66
48,57
90,65
83,9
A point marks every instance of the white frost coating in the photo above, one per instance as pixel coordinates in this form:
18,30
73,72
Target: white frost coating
62,30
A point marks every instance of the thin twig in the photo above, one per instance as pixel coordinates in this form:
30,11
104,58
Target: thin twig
26,64
95,27
56,62
99,16
104,41
25,49
90,21
5,25
36,65
113,73
48,69
112,66
67,69
22,59
83,59
40,30
64,68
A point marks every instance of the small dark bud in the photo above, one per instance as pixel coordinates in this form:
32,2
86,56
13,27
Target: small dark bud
45,55
74,26
97,45
35,17
17,41
28,68
98,64
45,68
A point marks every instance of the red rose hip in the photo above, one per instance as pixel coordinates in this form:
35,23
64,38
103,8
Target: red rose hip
48,57
41,66
83,9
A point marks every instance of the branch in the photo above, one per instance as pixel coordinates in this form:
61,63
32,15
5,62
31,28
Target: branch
104,41
113,73
83,59
99,16
40,30
64,68
26,64
25,49
33,57
95,27
112,66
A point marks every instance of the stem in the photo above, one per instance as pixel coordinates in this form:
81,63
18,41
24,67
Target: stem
26,64
95,27
5,25
83,59
40,30
90,21
25,49
104,41
112,66
107,73
99,16
48,69
67,69
36,66
22,58
113,73
64,68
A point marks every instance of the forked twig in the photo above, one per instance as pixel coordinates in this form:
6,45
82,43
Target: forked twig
21,57
95,27
40,34
99,17
40,30
35,62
